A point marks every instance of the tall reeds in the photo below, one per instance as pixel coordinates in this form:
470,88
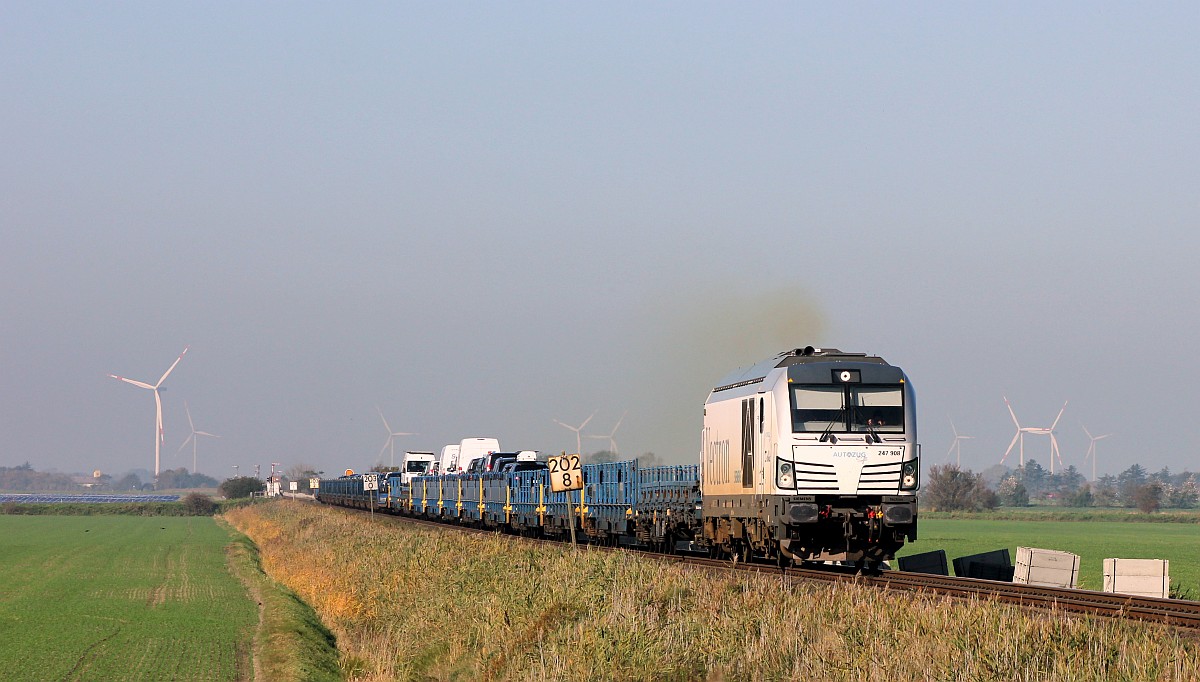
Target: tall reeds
412,603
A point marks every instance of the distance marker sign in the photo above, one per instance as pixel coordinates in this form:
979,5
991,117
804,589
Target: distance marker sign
370,481
566,473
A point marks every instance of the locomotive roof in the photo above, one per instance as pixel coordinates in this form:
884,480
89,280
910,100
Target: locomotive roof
798,356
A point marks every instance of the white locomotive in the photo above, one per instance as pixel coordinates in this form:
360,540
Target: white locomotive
811,456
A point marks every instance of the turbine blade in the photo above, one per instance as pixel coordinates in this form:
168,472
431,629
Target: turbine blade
1089,433
1010,447
185,442
585,421
384,448
189,416
385,424
1064,407
618,425
172,367
1010,411
952,447
139,384
206,433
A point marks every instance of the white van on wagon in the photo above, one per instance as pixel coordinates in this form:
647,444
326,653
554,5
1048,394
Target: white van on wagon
471,449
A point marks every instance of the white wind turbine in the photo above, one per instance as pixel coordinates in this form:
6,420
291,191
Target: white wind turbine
1091,451
158,423
577,430
611,437
391,440
956,446
192,437
1037,431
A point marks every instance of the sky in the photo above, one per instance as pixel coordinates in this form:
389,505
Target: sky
480,218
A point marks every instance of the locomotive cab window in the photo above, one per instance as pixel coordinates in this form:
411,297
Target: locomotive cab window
850,408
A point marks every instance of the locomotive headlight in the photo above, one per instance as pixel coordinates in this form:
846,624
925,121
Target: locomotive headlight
785,474
909,475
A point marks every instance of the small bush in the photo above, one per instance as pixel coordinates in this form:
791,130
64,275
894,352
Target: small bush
199,505
241,486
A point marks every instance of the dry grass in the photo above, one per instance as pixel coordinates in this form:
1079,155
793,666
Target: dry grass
411,603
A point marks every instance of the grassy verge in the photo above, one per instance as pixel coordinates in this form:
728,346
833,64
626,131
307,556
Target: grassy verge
290,643
410,603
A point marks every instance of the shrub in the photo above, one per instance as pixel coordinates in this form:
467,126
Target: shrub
1148,498
241,486
948,488
199,505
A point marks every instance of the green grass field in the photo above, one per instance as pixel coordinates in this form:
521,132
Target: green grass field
121,598
1093,541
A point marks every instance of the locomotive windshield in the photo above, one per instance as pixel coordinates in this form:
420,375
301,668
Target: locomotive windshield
848,408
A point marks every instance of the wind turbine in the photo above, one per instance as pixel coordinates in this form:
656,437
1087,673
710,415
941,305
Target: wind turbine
1037,431
956,446
577,430
391,440
1091,451
158,423
612,443
192,437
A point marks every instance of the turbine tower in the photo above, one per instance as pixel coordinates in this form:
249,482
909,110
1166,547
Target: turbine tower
611,437
577,430
956,446
1036,431
158,423
391,439
1091,451
192,437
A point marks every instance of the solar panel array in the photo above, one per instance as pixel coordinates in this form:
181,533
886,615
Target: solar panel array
47,498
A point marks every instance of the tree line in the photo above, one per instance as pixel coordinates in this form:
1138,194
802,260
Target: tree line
24,478
949,488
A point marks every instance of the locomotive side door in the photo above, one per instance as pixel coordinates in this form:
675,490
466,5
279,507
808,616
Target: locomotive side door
765,440
749,439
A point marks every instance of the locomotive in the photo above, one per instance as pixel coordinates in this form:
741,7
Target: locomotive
810,455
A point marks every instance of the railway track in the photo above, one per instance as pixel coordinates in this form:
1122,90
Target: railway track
1173,612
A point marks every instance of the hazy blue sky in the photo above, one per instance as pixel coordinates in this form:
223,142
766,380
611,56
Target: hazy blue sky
483,217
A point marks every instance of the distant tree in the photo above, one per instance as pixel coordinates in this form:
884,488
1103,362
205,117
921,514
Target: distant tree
1034,477
601,457
1067,482
198,504
1104,491
1148,497
948,488
1184,496
241,486
1012,493
128,482
994,475
1128,482
1082,497
648,459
